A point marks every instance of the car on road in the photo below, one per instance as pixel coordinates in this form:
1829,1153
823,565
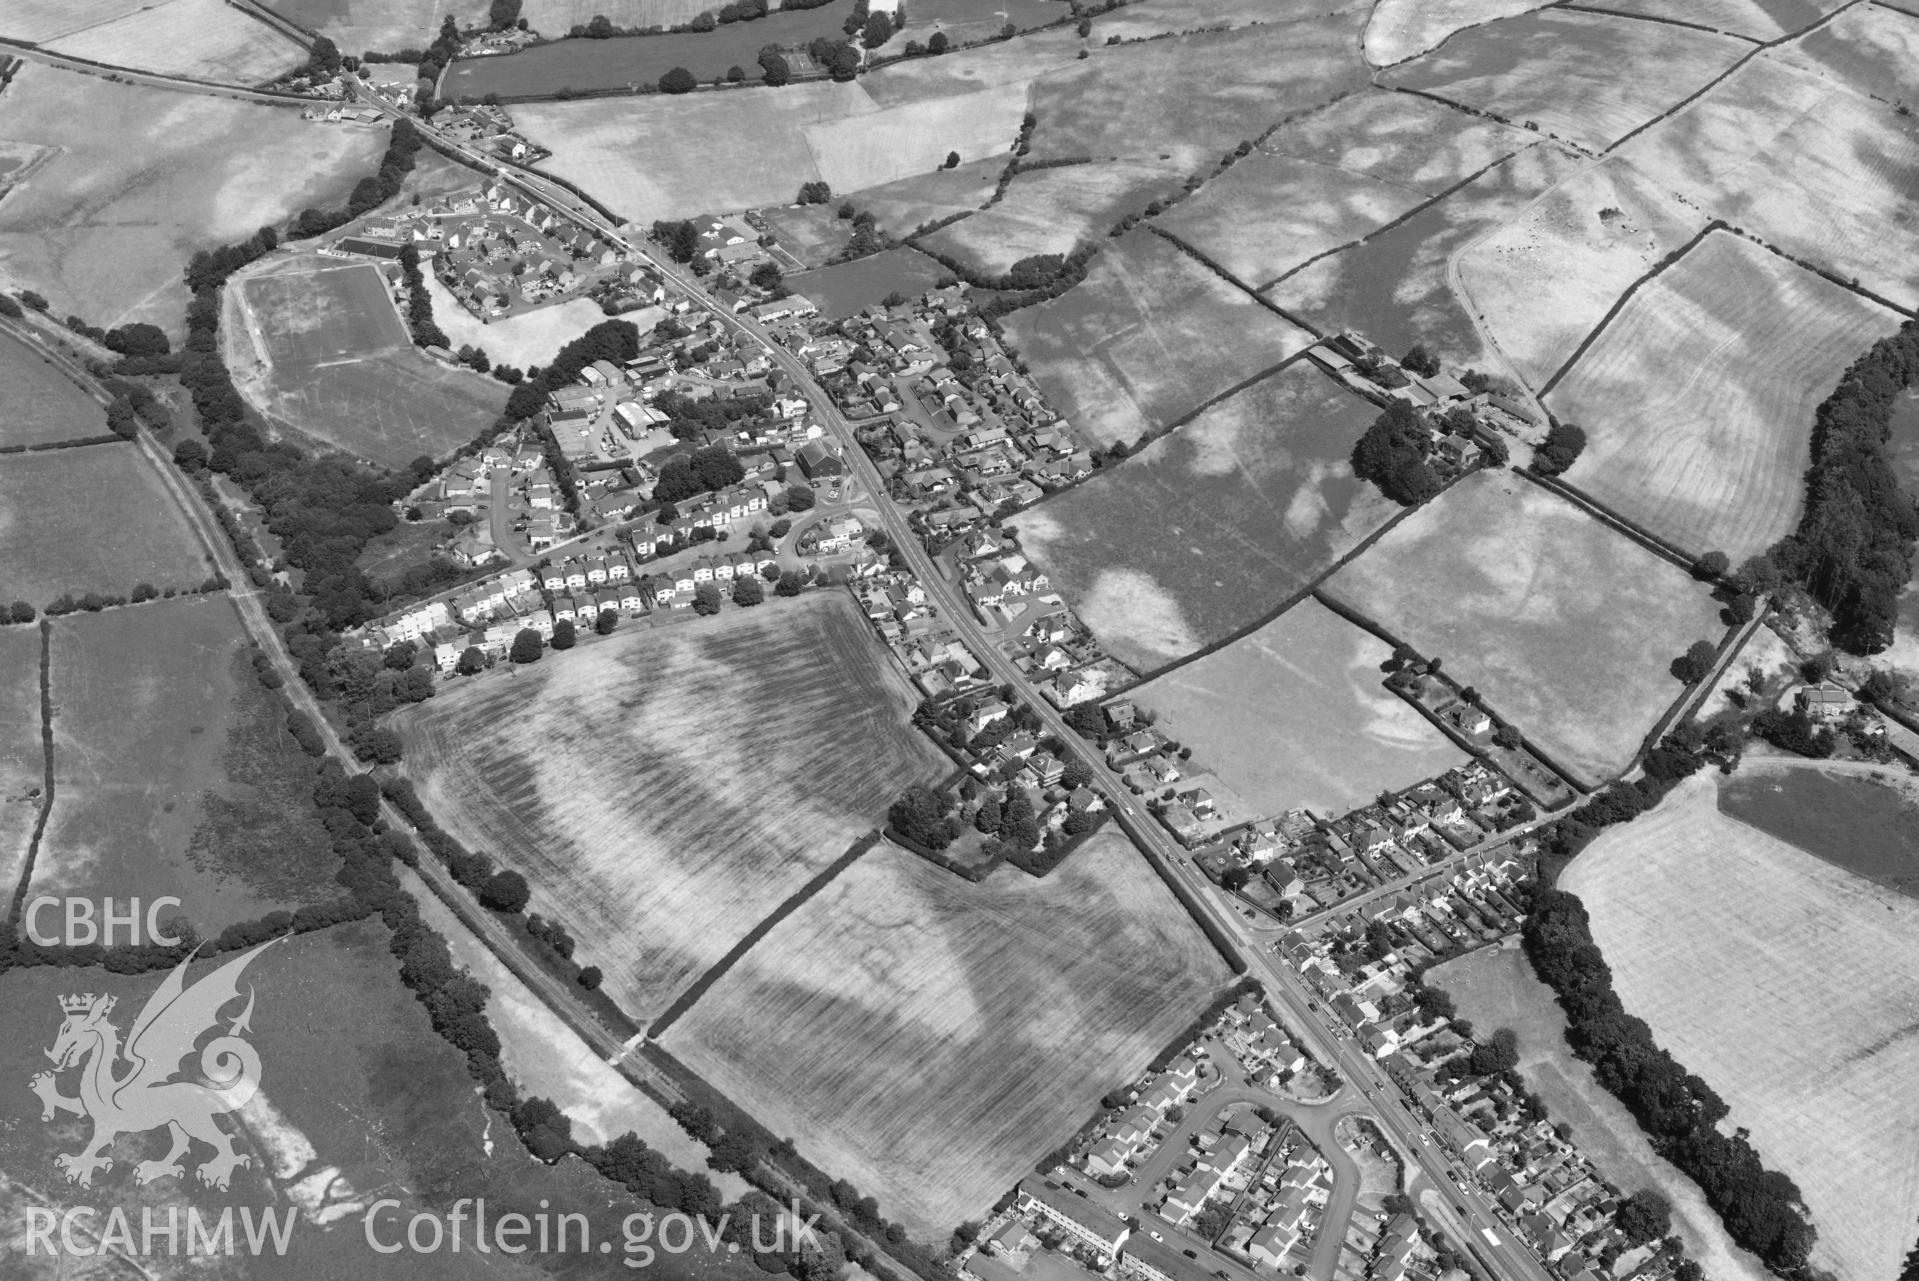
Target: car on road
1154,1233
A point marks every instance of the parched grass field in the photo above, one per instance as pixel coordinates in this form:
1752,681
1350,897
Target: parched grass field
38,403
1560,69
1698,398
1792,988
1018,61
1396,288
1049,211
1147,337
388,26
199,39
321,352
1754,19
965,21
633,781
901,206
1296,715
530,338
54,539
929,1039
1332,177
39,21
148,176
173,771
1496,988
1402,29
1805,163
1146,18
1211,527
915,137
554,18
1544,281
22,753
1564,625
1873,49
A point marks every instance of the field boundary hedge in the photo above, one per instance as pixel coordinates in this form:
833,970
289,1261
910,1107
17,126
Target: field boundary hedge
1650,17
19,901
47,446
1234,281
1607,516
966,872
1736,638
1619,303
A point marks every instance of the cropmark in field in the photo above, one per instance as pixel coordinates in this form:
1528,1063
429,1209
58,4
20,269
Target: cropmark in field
1870,48
1402,29
1566,627
1792,988
1698,397
388,26
23,757
929,1039
197,39
629,780
1754,19
1213,526
1050,211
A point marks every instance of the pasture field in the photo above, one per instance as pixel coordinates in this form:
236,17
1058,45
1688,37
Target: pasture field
23,755
1146,18
929,1039
1147,337
198,39
1003,62
1212,526
1754,19
1544,281
1791,987
630,781
853,286
1403,29
53,542
322,353
965,21
1564,625
1560,69
1496,988
635,154
38,21
147,176
1331,178
1396,288
38,403
173,771
530,338
915,137
1049,211
1865,824
1296,714
1805,163
901,206
1698,398
811,233
554,18
386,26
1872,49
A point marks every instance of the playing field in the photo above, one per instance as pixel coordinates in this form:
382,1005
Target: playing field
1296,715
38,403
1496,988
1545,280
1332,177
173,771
321,352
22,754
1566,627
147,176
1402,29
1817,169
1698,398
1754,19
929,1039
1146,338
1870,48
635,781
53,541
388,26
1560,70
1792,988
198,39
1211,527
1049,211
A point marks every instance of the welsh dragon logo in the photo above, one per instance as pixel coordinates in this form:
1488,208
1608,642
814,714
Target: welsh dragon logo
131,1089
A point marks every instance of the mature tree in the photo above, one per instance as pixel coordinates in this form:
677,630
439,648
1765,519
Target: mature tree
920,814
1645,1216
607,620
472,661
1693,665
735,74
774,69
1392,454
678,80
1711,565
706,598
952,160
1500,1053
747,590
800,498
937,42
792,583
591,978
505,892
878,30
766,276
1563,445
565,635
527,646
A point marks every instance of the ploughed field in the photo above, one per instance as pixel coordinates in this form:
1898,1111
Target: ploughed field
38,403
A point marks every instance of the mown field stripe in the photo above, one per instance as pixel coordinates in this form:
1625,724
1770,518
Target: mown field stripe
1227,276
1653,17
1632,529
1824,273
1619,304
793,902
19,903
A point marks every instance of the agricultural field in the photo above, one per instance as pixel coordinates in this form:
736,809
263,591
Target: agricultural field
1147,18
915,137
1397,287
1872,49
1332,177
928,1038
1496,989
23,757
963,71
38,403
53,542
629,780
853,286
146,177
1698,397
1211,527
968,21
1545,281
1560,70
1812,167
1296,714
1867,824
386,26
173,771
196,39
38,21
1564,625
901,206
321,352
1753,19
1403,29
1145,339
1049,211
554,18
1789,986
